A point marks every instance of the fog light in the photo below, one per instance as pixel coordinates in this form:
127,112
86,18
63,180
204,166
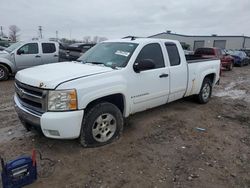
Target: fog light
52,132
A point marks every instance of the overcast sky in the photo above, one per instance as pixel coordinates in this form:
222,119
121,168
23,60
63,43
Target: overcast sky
118,18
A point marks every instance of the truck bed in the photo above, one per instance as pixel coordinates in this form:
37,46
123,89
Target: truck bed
197,58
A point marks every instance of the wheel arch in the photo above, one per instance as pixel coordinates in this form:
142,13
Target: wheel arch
211,77
7,66
118,99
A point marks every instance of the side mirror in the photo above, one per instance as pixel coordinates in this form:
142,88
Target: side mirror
19,52
145,64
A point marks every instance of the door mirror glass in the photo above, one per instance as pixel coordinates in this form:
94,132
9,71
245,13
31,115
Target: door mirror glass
145,64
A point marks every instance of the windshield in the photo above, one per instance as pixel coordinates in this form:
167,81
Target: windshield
13,47
111,54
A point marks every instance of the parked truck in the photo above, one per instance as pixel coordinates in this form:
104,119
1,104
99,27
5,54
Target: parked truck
227,61
91,98
27,54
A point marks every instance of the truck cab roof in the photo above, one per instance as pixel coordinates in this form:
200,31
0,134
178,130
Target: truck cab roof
141,40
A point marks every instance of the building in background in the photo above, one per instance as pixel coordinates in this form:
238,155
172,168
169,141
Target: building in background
194,42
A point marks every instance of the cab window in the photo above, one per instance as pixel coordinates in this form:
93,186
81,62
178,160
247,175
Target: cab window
48,48
30,48
173,54
153,52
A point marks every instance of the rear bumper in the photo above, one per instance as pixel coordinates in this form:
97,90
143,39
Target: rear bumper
225,64
58,125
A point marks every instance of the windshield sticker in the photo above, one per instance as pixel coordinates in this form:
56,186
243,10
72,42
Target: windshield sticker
123,53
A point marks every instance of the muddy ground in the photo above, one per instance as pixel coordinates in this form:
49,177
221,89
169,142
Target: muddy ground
159,148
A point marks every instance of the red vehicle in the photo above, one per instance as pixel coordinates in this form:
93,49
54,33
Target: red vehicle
227,61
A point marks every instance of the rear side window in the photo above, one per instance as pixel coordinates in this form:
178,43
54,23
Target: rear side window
48,48
173,54
152,51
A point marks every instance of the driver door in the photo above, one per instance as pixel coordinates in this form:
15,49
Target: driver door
28,56
150,88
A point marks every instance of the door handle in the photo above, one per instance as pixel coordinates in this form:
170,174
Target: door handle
55,55
37,56
163,75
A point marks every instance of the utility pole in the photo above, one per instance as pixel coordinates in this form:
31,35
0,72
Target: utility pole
57,36
40,30
1,28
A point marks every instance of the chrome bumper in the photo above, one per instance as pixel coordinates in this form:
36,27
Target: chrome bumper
25,115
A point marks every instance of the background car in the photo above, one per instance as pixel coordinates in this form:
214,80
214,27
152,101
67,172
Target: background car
76,50
227,61
240,58
2,48
247,51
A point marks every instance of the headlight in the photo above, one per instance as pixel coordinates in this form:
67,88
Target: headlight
62,100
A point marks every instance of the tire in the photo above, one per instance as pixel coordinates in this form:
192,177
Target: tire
230,67
102,124
205,92
4,73
241,64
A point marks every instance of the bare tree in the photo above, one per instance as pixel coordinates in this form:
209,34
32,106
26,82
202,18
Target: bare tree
13,34
95,39
87,39
102,39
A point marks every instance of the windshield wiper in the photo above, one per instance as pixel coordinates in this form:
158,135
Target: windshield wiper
100,63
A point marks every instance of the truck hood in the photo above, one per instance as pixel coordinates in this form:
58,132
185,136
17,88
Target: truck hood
4,54
51,75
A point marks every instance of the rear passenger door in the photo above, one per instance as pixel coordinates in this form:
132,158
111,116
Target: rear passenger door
149,88
50,52
178,71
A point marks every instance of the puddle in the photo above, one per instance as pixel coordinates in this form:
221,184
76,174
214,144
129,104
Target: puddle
10,133
231,91
233,94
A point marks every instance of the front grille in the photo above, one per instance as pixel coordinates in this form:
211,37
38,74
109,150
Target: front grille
32,98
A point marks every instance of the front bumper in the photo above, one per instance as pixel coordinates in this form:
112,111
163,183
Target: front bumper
59,125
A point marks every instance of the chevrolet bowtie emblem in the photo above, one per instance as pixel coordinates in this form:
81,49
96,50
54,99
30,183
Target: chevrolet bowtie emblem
41,84
21,92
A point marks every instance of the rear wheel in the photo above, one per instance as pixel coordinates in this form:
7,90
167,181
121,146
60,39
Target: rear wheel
205,92
102,124
230,66
4,73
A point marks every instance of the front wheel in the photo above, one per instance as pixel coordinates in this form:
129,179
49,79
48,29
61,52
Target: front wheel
4,73
102,124
205,92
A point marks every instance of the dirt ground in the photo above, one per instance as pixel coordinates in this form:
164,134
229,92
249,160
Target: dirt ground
161,147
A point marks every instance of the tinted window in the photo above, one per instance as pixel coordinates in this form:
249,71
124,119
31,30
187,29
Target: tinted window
48,48
31,48
153,52
204,51
173,54
86,47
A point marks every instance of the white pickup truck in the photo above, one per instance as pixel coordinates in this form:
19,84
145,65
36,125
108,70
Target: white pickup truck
27,54
89,99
